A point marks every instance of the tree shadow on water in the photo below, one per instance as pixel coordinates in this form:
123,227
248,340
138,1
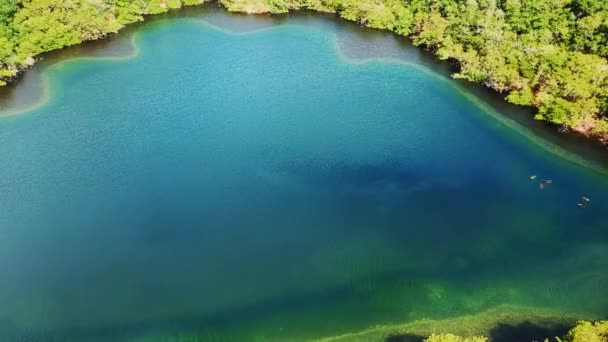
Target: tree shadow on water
405,338
526,332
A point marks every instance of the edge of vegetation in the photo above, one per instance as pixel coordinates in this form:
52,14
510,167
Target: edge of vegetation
551,55
475,328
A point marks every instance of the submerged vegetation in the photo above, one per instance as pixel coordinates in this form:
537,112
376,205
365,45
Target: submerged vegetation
548,54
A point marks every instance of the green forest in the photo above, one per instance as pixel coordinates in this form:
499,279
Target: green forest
549,54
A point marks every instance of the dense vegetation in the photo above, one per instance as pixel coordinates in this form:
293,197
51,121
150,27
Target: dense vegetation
30,27
588,332
550,54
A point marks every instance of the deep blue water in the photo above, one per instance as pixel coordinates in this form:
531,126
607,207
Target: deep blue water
260,184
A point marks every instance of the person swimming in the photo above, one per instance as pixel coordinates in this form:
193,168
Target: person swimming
586,199
533,177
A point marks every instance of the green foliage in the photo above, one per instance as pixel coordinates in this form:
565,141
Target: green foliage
44,25
31,27
524,97
7,10
453,338
547,54
588,332
601,127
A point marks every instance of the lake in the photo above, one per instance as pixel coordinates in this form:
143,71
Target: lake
240,178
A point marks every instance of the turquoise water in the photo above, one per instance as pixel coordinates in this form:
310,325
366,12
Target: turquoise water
262,185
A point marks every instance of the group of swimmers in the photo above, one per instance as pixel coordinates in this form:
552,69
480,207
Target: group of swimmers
542,183
585,200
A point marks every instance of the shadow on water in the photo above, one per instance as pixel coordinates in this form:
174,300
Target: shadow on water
405,338
392,189
524,332
527,331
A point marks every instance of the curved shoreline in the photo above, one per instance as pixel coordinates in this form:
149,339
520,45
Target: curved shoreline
486,109
46,94
102,59
269,9
135,50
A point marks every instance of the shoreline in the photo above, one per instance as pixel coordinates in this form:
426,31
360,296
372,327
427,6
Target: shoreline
503,319
45,83
265,10
393,328
547,138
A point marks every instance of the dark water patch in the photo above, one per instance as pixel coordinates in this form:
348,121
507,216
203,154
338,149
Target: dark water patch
405,338
393,188
527,331
523,332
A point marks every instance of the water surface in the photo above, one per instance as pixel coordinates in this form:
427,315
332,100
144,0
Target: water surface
264,183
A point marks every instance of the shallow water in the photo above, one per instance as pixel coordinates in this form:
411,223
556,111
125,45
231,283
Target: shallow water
262,183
